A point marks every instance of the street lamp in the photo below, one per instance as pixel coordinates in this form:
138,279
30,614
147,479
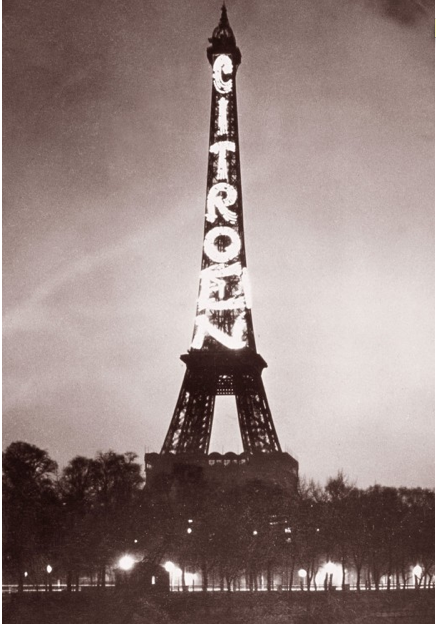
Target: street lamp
126,563
302,574
417,573
49,571
190,578
173,571
329,570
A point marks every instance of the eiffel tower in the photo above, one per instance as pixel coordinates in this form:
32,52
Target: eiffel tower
223,359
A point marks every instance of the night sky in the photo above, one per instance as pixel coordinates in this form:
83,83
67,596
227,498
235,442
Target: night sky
106,123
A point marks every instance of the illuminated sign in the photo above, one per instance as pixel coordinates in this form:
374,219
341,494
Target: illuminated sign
235,340
221,196
224,292
214,289
221,148
222,116
222,65
218,237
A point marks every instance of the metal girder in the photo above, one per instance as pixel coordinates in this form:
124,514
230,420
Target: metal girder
191,424
208,376
255,420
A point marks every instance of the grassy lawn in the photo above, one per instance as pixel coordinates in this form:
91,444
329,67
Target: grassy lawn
238,608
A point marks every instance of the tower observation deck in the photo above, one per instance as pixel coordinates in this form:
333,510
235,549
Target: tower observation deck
223,359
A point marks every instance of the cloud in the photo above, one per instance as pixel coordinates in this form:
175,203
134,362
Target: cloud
34,313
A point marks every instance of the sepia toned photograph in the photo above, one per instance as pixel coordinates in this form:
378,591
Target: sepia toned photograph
218,312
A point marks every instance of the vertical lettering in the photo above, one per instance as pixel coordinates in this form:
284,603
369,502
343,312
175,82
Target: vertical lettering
236,340
220,196
222,65
212,249
213,288
222,116
221,148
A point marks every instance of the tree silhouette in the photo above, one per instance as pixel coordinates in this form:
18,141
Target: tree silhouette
77,488
340,518
99,510
30,507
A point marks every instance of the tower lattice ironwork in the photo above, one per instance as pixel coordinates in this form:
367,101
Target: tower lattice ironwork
222,359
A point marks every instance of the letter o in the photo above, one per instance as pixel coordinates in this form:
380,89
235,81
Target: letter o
227,254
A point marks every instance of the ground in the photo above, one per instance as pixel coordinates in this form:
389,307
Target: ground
408,607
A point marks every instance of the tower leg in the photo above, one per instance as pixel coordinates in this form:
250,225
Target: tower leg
255,420
191,425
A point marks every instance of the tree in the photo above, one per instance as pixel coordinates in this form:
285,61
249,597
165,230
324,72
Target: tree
30,505
358,536
116,488
384,517
341,516
100,498
311,535
417,532
77,488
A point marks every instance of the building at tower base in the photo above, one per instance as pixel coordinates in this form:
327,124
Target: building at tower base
225,470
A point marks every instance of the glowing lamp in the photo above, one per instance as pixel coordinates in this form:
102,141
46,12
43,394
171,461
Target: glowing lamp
417,570
169,566
330,567
126,563
302,573
49,569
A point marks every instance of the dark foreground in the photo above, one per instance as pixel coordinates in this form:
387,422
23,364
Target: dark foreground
408,607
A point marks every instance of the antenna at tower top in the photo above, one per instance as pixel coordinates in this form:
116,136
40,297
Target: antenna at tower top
224,21
223,40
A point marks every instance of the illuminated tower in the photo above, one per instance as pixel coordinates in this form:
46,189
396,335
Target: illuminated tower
223,359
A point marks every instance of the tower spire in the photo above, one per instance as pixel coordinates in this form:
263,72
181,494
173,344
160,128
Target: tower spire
223,40
224,21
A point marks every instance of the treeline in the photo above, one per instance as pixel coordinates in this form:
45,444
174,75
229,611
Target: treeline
81,520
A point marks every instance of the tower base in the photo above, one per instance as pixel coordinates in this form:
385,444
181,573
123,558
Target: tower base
275,469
